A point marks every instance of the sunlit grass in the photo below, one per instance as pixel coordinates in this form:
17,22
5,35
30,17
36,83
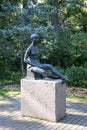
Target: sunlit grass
75,98
4,93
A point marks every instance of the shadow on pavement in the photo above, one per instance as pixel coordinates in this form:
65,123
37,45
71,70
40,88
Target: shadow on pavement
76,115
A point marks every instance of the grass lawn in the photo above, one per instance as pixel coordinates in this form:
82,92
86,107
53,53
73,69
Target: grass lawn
5,93
75,98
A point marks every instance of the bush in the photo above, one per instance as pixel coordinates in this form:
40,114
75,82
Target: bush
10,77
15,76
77,76
5,82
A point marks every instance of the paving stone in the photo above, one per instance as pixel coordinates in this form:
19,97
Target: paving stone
11,118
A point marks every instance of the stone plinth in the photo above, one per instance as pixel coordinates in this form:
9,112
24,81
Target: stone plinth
44,99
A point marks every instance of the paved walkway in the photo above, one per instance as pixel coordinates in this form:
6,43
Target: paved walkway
11,119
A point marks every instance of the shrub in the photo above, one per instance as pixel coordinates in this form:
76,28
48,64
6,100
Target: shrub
77,76
15,76
10,77
5,82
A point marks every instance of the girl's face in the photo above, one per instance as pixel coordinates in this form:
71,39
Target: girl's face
35,40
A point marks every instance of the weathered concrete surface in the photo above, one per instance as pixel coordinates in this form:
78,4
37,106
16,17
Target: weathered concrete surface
44,99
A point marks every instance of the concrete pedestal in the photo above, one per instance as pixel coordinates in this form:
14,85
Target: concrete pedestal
44,99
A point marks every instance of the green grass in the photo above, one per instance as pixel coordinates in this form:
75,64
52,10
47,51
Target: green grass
4,93
75,98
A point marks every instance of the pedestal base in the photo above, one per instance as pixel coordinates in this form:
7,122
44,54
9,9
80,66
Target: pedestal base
44,99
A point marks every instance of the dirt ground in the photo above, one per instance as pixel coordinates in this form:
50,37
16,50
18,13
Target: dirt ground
76,91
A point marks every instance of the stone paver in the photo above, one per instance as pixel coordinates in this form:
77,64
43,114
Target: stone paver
11,119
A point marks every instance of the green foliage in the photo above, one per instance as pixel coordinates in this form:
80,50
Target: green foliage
10,77
77,76
64,46
5,81
15,76
77,12
79,48
68,49
60,52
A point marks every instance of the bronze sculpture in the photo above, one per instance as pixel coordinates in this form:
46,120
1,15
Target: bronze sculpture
32,59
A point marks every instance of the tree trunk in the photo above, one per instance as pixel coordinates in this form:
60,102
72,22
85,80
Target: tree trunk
22,60
54,20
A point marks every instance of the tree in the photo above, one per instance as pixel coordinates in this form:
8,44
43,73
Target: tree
8,15
76,10
57,23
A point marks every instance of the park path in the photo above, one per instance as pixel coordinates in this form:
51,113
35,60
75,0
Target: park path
11,119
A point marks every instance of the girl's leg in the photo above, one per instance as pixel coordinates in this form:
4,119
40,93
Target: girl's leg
37,70
54,71
42,72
